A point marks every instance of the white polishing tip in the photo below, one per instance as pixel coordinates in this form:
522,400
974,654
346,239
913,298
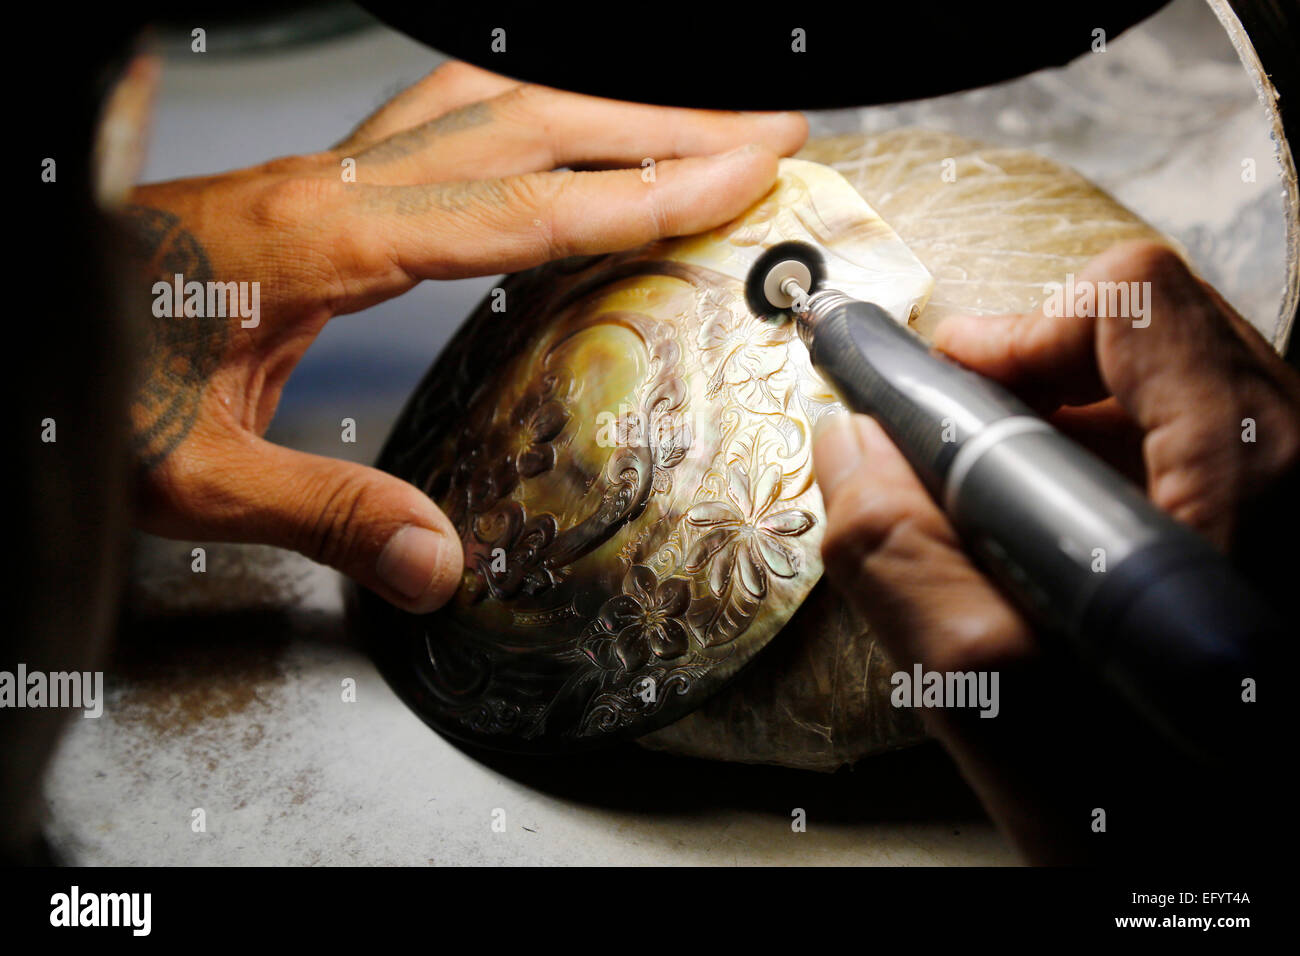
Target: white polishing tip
775,280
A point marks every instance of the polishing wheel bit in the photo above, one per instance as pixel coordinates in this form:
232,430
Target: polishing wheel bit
783,277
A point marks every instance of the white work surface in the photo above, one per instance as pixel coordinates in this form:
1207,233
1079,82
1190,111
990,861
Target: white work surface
226,692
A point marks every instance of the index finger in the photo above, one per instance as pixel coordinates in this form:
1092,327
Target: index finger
534,128
446,89
456,230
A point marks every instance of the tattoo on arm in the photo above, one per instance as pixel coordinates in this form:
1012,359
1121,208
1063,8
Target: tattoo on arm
413,140
180,352
438,197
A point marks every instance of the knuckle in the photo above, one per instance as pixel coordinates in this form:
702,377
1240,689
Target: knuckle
1276,449
183,485
1192,508
1143,260
189,491
1157,262
1032,338
331,529
453,73
863,523
297,165
320,260
292,200
1187,439
1283,450
537,198
1192,478
981,640
659,218
530,193
526,101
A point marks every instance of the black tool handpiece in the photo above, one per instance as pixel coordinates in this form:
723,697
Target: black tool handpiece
1141,596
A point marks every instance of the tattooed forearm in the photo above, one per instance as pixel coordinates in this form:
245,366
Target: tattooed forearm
179,352
418,138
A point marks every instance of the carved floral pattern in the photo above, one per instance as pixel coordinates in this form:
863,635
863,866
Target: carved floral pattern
667,435
743,535
677,615
490,460
644,622
538,420
619,643
740,351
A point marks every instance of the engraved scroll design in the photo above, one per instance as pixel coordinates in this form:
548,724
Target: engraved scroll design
678,615
523,444
495,453
694,583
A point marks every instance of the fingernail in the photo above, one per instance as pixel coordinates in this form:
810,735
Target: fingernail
747,149
417,563
949,333
824,420
837,451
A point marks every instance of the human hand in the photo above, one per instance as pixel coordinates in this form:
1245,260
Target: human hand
457,176
1167,403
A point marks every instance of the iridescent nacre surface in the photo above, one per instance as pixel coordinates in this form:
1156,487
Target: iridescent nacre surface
625,451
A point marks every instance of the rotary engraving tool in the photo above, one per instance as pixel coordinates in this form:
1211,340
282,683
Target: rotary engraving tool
1144,599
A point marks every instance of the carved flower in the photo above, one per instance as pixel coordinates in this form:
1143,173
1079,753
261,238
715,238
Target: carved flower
476,480
739,348
490,460
742,537
645,620
537,421
671,440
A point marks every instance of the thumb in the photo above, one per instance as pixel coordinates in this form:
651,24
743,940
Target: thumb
896,557
1048,360
377,529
